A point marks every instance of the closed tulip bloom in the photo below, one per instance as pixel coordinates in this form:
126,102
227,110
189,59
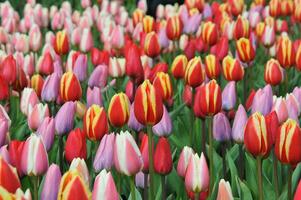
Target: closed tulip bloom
138,15
148,105
268,36
151,45
232,69
197,174
148,24
70,88
184,159
117,67
239,123
209,100
50,89
162,83
221,48
119,110
272,124
5,154
236,7
95,123
221,127
35,38
245,50
94,96
275,8
37,115
285,52
209,33
194,73
4,89
273,72
229,96
86,41
279,106
178,66
127,156
80,166
133,64
99,76
75,146
61,43
4,128
15,154
162,157
164,127
37,83
80,67
144,152
241,28
46,131
174,27
64,118
9,178
133,122
34,161
105,153
8,69
288,141
257,140
224,191
45,64
104,187
263,100
160,67
50,187
73,187
293,106
254,18
212,66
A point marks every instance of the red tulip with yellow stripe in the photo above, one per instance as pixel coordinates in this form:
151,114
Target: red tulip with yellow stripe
192,4
151,44
259,2
232,69
245,50
236,6
298,57
148,24
174,27
73,187
61,43
163,84
297,12
275,7
37,83
70,88
257,139
241,28
95,122
212,66
119,109
208,99
285,52
178,66
286,7
288,143
209,33
137,17
260,29
273,72
148,105
194,73
8,176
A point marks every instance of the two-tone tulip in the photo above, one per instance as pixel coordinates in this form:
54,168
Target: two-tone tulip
174,27
28,100
148,24
64,118
232,69
194,73
229,96
212,66
178,66
81,167
164,127
50,187
46,130
86,41
224,191
162,157
162,83
209,33
70,88
9,179
75,146
275,8
285,52
184,159
279,106
241,28
268,35
121,103
61,43
37,115
116,67
37,83
273,72
104,187
151,45
245,50
298,57
236,7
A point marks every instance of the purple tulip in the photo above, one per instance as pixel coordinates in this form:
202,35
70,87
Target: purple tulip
239,123
297,94
221,127
50,89
192,24
139,179
4,154
64,119
46,131
99,77
263,100
163,39
104,158
164,127
3,131
80,67
133,123
94,97
51,183
58,68
292,106
207,11
229,96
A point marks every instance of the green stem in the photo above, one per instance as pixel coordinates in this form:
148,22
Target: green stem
197,196
61,151
241,162
151,165
145,187
204,136
133,192
224,148
259,174
35,182
163,187
289,185
211,154
275,169
193,119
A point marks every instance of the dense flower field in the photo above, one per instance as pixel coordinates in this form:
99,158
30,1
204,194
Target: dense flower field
99,100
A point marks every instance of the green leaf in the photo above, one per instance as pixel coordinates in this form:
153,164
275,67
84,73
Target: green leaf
137,193
251,174
244,192
233,172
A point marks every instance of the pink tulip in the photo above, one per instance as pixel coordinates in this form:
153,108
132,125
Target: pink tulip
86,42
224,191
28,100
3,36
254,18
104,187
28,64
117,37
99,76
37,115
21,42
5,154
51,183
239,123
80,166
4,115
46,131
34,159
280,107
116,67
4,126
184,159
76,36
85,3
45,17
35,38
127,156
293,106
268,36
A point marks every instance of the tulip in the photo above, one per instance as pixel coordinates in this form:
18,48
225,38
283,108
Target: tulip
133,122
95,123
4,89
162,157
37,115
50,89
254,18
272,124
51,183
34,160
75,146
121,103
70,88
236,7
285,52
80,67
35,38
275,8
178,66
212,66
86,41
194,73
293,106
232,69
46,131
221,48
224,191
245,50
45,64
184,159
144,152
94,96
148,24
160,67
163,85
151,45
280,108
105,153
199,4
72,183
117,37
9,179
99,57
268,36
37,83
263,100
174,27
164,127
298,58
241,28
229,96
64,118
80,166
117,67
297,93
197,174
209,33
297,12
21,42
221,127
104,187
8,69
5,154
239,123
61,43
127,157
273,72
148,106
15,154
133,64
298,192
98,77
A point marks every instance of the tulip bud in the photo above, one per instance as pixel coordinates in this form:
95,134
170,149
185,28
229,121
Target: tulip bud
178,66
117,67
232,69
37,83
64,118
236,7
99,76
45,64
245,50
61,43
212,66
28,100
285,52
34,161
133,64
50,88
224,190
104,187
151,45
275,8
148,105
229,96
127,157
37,115
221,48
119,102
268,36
10,181
162,157
51,184
46,131
160,67
209,33
174,27
8,69
241,28
80,67
194,73
164,127
184,159
76,145
263,100
35,38
258,141
15,154
5,154
99,57
273,72
293,106
288,141
70,88
95,123
221,127
298,58
145,153
272,124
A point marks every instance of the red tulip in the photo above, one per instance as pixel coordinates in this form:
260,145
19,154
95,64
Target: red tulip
15,152
133,64
70,88
4,89
162,157
76,145
8,177
119,110
174,27
151,44
61,43
8,69
194,74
